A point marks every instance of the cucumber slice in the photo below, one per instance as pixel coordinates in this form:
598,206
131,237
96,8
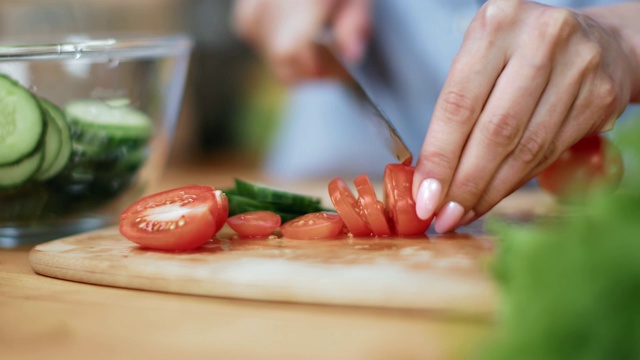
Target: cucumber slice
21,122
57,142
19,173
282,199
97,122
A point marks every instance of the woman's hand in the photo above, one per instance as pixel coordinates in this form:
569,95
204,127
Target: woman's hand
284,31
528,82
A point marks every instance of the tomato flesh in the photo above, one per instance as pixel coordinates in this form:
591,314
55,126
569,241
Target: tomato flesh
312,226
592,162
401,208
178,219
254,223
373,209
347,206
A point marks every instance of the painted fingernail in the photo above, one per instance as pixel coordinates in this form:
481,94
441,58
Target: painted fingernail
449,217
428,198
467,218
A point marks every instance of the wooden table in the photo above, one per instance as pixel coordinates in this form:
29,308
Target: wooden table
48,318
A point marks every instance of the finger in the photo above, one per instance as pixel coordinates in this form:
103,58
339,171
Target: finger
472,75
352,28
537,144
245,18
497,132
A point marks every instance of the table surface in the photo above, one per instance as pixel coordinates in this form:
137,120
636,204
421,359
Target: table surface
43,317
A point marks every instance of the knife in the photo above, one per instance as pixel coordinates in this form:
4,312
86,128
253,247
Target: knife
328,51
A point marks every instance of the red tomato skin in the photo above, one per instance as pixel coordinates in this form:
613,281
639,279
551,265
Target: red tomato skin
348,207
592,162
198,228
222,213
374,210
176,220
314,226
254,223
401,208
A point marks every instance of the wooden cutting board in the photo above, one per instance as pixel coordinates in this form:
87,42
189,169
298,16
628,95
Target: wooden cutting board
439,273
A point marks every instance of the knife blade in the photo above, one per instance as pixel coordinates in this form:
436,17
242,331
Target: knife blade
328,51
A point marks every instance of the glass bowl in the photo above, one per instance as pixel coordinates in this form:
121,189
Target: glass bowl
86,124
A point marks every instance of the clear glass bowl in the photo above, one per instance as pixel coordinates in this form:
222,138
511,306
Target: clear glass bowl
143,74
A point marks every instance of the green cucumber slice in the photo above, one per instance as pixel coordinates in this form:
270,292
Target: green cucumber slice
19,173
21,122
98,122
57,148
282,199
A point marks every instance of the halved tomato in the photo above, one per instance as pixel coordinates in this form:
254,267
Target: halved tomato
348,208
373,209
177,219
591,162
401,208
254,223
318,225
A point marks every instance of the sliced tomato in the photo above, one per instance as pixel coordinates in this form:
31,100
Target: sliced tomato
373,209
181,195
318,225
592,162
254,223
401,208
348,208
222,213
178,219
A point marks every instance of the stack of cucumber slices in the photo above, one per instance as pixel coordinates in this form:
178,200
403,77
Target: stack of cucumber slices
55,160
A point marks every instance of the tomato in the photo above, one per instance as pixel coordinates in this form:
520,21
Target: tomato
318,225
592,162
346,205
401,208
254,223
179,195
373,209
222,209
177,219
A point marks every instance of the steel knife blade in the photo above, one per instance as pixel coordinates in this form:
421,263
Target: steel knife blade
328,51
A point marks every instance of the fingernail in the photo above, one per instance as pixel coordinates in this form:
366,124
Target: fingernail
449,217
428,198
467,218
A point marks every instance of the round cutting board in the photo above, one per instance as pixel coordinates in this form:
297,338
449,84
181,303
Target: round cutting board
439,273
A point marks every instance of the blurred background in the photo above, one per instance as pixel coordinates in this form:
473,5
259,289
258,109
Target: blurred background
231,104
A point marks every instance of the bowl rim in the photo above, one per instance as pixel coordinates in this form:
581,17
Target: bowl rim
81,46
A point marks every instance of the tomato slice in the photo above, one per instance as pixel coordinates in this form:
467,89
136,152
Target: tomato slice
401,208
348,208
591,162
222,213
373,209
318,225
254,223
178,219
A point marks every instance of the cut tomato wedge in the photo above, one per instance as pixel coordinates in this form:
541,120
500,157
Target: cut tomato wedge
373,209
178,219
254,223
348,208
318,225
401,208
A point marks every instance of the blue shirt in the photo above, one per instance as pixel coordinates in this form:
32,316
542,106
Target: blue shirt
413,44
